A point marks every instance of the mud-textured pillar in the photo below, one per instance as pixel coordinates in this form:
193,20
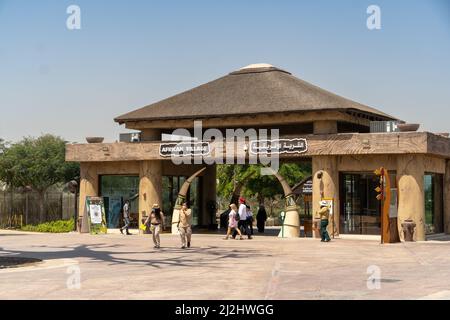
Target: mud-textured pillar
150,135
447,197
326,186
411,205
208,194
325,127
150,188
88,187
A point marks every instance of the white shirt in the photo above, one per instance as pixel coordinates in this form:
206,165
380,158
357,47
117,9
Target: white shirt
126,210
243,211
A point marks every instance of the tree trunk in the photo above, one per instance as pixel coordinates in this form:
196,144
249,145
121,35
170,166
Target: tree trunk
260,199
42,214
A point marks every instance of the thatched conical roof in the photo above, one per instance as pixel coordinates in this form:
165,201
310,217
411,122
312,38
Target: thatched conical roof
256,89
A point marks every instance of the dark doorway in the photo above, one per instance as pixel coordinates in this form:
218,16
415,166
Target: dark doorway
360,210
434,203
115,189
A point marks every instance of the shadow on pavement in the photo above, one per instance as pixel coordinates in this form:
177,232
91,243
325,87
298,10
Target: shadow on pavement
157,258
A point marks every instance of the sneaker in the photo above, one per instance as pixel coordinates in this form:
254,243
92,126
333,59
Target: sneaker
226,238
241,238
189,244
183,247
129,234
250,237
121,231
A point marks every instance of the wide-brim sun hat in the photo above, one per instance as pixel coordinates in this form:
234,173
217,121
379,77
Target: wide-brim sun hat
323,203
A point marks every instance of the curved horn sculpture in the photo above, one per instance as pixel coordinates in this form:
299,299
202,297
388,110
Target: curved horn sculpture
184,188
181,198
238,188
286,188
291,224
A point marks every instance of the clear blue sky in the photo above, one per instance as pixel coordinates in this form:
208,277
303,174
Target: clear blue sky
131,53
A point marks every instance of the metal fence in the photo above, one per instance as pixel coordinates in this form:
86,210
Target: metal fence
18,209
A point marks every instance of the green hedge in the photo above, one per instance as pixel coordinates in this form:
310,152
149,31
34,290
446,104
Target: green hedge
58,226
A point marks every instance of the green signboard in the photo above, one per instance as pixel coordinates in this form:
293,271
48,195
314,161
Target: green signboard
95,209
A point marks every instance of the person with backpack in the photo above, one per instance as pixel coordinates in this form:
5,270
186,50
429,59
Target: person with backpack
249,220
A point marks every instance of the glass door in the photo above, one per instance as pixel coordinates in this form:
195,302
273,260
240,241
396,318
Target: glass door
434,202
361,211
115,189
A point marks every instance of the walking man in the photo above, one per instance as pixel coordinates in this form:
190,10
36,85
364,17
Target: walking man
184,226
242,224
126,217
324,214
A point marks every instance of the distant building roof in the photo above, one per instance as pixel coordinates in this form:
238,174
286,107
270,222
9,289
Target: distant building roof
255,89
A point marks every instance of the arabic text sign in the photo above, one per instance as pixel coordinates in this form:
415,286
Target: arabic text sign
277,146
307,187
183,149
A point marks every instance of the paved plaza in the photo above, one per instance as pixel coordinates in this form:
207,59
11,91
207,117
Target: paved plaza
115,266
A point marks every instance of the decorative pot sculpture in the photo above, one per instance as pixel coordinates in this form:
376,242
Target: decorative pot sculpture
408,127
94,139
182,198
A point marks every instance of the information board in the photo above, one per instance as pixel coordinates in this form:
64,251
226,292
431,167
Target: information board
95,210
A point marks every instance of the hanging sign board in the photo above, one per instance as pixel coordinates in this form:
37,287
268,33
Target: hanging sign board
307,187
184,149
277,146
95,211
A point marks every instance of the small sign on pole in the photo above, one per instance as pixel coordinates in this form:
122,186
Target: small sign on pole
95,209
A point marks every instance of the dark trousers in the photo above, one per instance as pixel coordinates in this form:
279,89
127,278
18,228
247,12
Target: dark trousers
243,226
323,230
250,225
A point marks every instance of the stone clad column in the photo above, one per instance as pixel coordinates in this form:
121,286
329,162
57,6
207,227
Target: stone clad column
150,188
326,187
447,197
88,186
208,193
411,205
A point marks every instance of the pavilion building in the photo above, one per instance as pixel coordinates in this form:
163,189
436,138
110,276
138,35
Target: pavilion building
345,141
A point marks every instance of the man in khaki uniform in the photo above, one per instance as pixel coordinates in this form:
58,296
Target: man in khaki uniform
184,226
324,214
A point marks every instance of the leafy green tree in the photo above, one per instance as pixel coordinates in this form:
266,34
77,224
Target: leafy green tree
38,163
262,187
